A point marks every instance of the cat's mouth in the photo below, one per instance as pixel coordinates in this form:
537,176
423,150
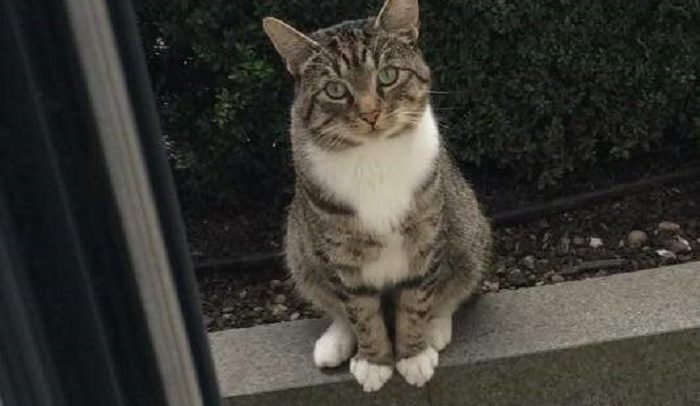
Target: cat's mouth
376,131
381,128
370,130
386,129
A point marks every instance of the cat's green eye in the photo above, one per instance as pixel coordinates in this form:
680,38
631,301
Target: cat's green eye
388,76
336,90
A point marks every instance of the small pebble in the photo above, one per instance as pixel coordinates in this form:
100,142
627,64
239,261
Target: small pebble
278,310
541,265
279,299
539,283
557,278
546,237
227,316
516,277
637,238
579,241
492,286
242,294
663,253
227,309
595,242
677,245
258,309
294,316
668,227
564,245
528,262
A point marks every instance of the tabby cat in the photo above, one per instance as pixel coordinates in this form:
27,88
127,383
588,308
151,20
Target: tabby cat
382,220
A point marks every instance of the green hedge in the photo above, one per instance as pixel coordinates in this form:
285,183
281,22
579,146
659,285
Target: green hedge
535,88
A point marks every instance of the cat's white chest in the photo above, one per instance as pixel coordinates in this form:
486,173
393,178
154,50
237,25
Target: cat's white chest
392,265
378,180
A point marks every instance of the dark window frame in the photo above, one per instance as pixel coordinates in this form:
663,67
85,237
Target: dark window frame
74,325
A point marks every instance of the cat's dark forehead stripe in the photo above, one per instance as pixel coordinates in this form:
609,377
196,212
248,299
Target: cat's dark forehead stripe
349,42
347,29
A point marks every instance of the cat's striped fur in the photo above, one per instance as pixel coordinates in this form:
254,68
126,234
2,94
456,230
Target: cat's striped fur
380,210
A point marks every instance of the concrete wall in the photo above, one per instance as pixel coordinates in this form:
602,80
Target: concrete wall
631,339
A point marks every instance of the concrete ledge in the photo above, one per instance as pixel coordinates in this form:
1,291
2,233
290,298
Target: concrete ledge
630,339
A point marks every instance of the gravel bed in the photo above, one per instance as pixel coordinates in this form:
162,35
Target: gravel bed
636,232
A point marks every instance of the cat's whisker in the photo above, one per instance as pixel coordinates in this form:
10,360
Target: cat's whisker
412,116
449,108
334,141
441,124
330,137
448,92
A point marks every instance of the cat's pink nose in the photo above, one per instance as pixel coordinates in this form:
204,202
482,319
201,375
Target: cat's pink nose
370,116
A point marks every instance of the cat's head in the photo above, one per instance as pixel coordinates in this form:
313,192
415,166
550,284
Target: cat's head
356,80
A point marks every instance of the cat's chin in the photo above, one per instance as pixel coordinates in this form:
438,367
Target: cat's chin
381,130
363,131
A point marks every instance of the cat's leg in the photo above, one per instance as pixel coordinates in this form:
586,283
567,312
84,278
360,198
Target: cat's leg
335,291
336,345
372,366
439,331
357,317
448,299
460,279
448,292
417,359
424,313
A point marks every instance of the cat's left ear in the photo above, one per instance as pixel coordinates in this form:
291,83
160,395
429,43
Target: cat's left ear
399,17
294,47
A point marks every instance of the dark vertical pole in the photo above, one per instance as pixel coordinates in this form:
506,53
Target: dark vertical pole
140,90
79,322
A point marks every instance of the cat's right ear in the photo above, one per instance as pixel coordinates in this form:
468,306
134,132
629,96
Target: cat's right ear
399,17
293,46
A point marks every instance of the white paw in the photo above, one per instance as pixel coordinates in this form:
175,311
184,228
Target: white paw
418,370
371,376
335,346
439,332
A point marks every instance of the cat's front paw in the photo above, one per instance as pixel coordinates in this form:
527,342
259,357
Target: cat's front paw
439,332
335,346
370,376
418,370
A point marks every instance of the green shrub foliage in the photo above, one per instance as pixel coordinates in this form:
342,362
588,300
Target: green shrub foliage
535,88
